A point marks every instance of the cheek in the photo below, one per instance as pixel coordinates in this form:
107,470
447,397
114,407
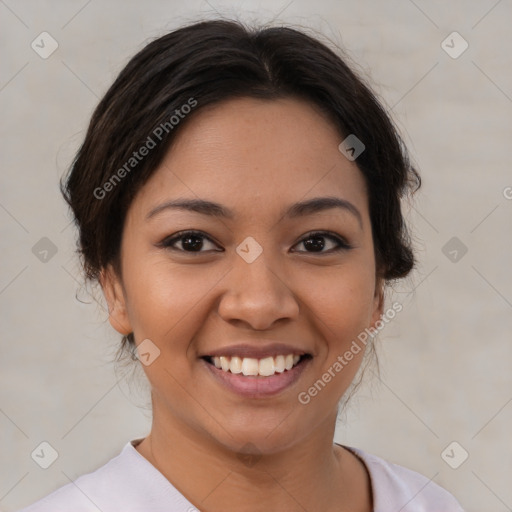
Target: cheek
343,302
343,307
163,301
164,298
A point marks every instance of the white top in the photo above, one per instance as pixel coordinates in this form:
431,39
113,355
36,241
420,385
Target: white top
130,483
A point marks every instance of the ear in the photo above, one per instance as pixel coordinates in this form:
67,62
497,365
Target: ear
116,301
378,301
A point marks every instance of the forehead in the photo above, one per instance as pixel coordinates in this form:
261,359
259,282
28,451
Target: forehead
255,156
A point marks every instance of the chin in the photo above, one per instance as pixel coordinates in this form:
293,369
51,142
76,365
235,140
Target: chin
263,432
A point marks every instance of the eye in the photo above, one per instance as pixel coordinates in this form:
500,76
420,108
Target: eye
315,242
191,241
194,241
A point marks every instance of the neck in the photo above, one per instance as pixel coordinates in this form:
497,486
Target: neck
314,474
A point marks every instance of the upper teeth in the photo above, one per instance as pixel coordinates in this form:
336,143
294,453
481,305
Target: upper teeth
250,366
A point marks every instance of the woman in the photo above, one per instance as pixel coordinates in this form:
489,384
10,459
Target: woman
237,197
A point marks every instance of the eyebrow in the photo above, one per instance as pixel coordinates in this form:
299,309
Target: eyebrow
300,209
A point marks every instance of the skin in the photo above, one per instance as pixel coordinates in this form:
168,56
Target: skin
255,157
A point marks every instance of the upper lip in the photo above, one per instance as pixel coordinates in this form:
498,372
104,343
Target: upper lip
256,351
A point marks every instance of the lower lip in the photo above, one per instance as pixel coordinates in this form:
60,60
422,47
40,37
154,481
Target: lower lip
256,386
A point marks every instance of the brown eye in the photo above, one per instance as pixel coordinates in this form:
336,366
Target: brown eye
191,241
315,243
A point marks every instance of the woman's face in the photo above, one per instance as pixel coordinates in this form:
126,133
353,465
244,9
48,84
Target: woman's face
253,287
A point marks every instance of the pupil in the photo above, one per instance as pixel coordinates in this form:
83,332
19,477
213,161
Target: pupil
319,244
189,240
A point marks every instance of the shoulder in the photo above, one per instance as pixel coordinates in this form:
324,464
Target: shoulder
128,482
84,492
398,488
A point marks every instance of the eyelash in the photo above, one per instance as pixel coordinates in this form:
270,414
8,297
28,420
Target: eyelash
342,244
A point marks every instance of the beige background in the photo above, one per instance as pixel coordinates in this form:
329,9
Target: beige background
445,359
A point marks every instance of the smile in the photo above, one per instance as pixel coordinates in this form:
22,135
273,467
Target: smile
253,377
250,366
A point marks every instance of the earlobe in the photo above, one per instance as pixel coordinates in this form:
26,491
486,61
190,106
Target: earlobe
114,295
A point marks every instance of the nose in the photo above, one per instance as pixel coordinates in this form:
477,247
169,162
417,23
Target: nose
257,295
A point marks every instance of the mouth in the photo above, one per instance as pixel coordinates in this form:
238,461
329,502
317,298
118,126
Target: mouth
250,366
254,377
